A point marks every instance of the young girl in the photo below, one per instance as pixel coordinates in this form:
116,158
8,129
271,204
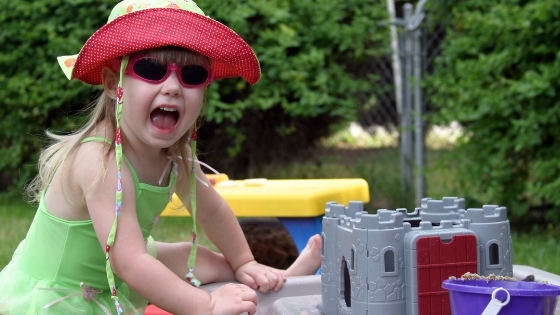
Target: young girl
102,188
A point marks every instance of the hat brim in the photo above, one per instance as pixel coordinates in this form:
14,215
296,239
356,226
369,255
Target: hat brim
157,27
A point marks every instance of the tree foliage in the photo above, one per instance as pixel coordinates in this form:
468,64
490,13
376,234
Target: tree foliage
307,51
499,76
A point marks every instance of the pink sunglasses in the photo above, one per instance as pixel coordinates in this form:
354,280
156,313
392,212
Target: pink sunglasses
151,70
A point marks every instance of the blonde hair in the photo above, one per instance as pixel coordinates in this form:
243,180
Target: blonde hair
61,148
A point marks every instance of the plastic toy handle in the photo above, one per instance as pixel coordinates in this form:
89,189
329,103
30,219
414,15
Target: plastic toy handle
495,305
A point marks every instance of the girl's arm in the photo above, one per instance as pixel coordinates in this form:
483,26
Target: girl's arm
129,259
222,228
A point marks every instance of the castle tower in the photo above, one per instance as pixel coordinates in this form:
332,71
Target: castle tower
386,286
333,293
363,261
494,239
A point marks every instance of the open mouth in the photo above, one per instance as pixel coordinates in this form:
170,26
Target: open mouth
164,117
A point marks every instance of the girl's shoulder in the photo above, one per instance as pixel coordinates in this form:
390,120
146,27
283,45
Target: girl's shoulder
92,158
101,133
96,144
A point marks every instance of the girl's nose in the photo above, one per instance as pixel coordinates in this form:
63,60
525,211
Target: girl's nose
171,85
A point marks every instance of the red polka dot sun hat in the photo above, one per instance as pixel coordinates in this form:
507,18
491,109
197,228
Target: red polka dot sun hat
136,25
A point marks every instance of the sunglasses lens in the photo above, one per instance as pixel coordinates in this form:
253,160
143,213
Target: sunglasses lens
149,69
194,74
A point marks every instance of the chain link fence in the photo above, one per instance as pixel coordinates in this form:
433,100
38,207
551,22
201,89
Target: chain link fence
392,114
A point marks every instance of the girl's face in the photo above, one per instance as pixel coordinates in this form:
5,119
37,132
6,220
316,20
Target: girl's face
157,115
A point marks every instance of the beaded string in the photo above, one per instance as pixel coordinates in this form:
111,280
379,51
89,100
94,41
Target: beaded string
192,256
118,195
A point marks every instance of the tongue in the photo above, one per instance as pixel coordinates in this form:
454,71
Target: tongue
163,119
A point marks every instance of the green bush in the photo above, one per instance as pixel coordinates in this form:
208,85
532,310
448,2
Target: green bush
35,94
499,75
309,51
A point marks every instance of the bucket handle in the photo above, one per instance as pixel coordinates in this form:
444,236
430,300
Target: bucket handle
495,305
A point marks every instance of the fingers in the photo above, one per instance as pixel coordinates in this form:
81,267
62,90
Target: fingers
261,277
234,299
249,298
276,279
271,279
281,279
247,294
247,280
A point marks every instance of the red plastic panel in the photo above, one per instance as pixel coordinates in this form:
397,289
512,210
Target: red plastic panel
437,261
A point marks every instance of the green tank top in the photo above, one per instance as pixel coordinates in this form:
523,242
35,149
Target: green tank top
68,252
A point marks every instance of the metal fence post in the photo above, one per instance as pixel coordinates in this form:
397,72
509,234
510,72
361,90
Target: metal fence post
419,142
406,119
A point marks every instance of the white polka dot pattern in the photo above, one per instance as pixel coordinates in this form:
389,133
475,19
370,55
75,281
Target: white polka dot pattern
150,28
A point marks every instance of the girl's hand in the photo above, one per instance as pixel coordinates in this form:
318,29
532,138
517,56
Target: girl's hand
233,299
261,277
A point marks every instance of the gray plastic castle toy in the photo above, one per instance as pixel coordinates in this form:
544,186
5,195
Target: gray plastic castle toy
394,262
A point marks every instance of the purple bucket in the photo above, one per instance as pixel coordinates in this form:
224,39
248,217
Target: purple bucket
471,297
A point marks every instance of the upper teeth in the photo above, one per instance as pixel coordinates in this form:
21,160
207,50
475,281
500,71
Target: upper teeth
167,109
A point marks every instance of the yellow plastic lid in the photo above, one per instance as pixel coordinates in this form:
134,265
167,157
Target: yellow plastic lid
283,197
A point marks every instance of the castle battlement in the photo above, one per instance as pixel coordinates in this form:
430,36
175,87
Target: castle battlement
334,210
488,214
383,220
436,210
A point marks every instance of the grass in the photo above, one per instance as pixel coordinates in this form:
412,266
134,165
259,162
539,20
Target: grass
538,248
15,218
